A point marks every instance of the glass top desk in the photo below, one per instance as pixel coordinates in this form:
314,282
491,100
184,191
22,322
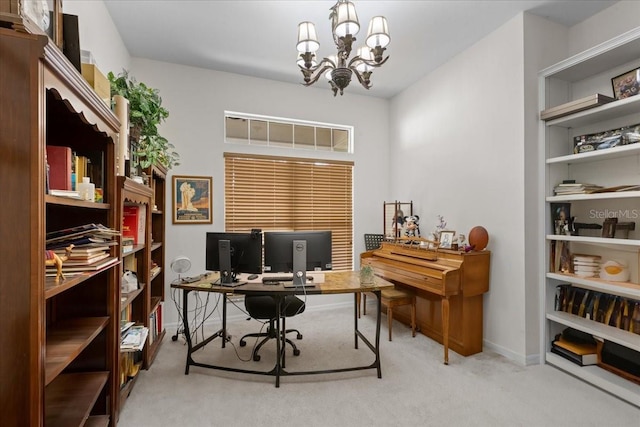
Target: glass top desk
338,282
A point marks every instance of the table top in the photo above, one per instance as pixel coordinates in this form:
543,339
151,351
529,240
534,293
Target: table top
335,282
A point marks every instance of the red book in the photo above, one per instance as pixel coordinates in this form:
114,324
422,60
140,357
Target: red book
133,223
60,167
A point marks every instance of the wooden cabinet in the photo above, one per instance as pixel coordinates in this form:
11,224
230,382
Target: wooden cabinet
576,78
157,180
142,306
58,339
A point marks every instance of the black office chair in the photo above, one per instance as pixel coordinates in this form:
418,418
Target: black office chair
264,308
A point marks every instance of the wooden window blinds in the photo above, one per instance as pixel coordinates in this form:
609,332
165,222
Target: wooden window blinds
291,194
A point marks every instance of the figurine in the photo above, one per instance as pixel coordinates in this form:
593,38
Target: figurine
51,258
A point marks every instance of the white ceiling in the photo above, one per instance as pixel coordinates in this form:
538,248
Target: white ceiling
258,38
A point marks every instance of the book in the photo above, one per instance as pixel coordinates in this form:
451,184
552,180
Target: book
134,339
88,262
60,167
72,194
575,106
582,354
134,223
103,263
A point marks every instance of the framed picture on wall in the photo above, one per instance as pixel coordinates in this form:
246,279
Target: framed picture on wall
192,200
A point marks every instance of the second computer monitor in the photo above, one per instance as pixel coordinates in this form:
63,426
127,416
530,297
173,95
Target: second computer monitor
243,254
278,250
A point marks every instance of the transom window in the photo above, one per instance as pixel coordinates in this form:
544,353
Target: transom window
249,129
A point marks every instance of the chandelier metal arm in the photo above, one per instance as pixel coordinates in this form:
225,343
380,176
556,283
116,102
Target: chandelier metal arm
311,75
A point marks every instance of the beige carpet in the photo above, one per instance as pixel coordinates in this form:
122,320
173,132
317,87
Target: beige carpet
416,388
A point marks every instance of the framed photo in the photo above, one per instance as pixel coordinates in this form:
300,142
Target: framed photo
627,84
609,227
560,217
446,239
192,200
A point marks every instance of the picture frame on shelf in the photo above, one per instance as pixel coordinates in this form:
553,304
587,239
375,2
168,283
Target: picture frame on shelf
560,217
627,84
446,239
192,200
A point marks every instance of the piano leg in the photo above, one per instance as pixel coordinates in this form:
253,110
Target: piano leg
445,328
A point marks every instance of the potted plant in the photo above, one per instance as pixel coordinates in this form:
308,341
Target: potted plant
146,113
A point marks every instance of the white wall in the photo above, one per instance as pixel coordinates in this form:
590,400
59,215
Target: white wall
545,43
457,151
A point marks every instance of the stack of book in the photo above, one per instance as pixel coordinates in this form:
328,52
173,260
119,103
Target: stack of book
586,265
582,353
90,245
575,188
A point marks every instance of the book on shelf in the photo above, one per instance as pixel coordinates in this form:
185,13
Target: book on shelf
125,326
575,188
60,168
127,245
88,262
578,105
66,268
134,223
88,234
580,354
72,194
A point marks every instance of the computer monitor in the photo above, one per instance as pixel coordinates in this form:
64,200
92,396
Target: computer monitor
233,253
278,250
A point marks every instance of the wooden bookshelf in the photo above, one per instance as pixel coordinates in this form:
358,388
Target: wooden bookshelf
58,338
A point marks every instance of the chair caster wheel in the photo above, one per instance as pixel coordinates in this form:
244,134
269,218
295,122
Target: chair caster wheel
174,338
256,357
243,343
296,352
299,336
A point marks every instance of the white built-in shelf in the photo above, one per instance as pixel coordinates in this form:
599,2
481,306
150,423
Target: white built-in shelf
591,156
619,244
595,196
600,330
624,289
611,110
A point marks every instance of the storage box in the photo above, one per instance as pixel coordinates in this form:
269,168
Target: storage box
98,82
608,139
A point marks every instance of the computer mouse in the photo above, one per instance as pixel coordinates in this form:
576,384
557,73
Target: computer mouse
252,277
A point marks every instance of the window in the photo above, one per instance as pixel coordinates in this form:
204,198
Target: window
249,129
291,194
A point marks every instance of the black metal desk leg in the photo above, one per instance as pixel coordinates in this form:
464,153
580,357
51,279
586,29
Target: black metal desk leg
187,333
379,298
355,317
279,343
224,319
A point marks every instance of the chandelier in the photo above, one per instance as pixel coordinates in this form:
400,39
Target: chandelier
338,69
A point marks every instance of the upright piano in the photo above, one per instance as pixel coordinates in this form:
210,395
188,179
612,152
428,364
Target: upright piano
449,286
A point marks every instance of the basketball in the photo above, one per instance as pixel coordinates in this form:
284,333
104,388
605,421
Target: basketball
478,238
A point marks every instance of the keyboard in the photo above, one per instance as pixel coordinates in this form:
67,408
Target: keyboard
277,279
289,278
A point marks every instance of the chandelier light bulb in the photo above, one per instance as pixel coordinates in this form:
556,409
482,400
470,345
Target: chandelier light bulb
347,19
307,37
378,34
365,54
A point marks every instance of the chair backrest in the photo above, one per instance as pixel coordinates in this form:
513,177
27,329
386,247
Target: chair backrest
373,241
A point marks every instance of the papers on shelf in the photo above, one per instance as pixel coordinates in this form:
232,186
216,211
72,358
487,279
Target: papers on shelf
134,339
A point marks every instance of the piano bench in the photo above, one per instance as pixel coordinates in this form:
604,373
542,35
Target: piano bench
392,298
